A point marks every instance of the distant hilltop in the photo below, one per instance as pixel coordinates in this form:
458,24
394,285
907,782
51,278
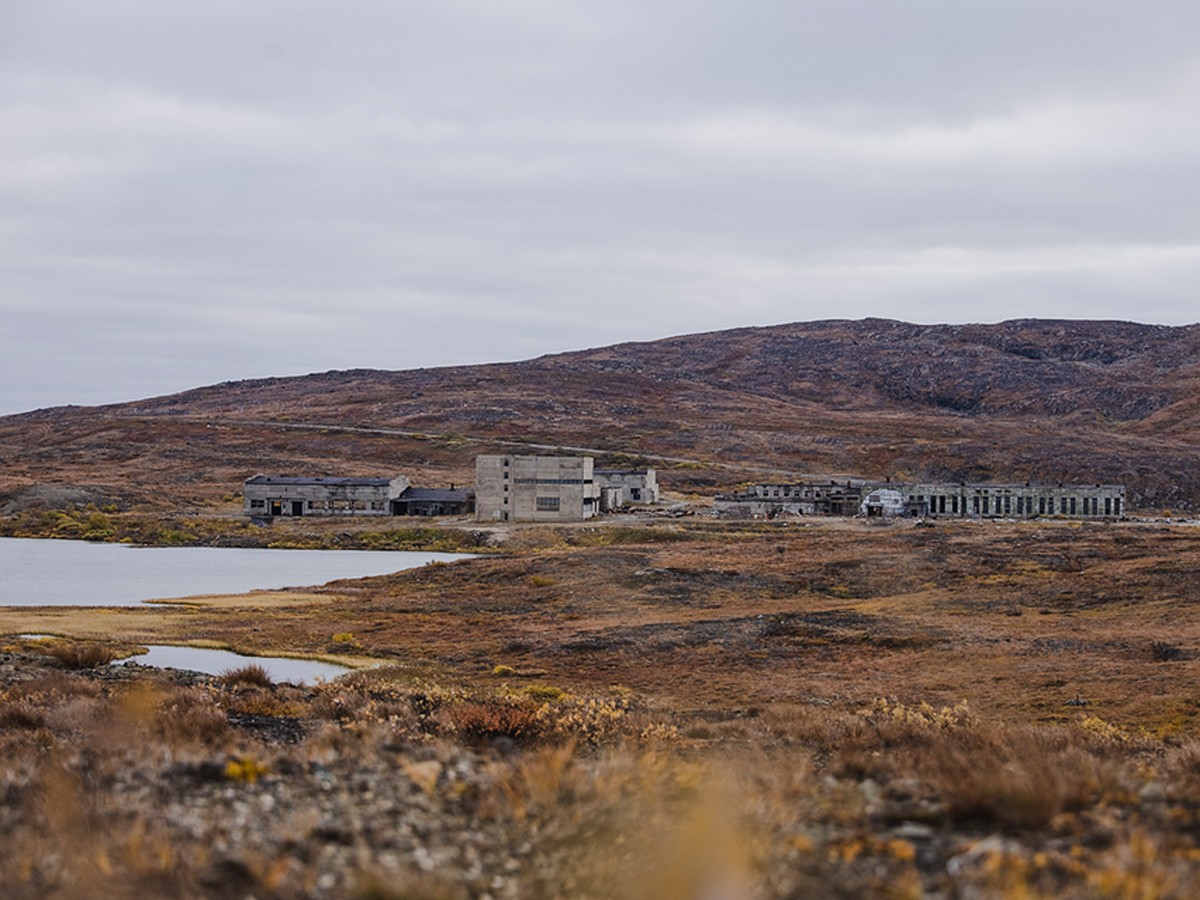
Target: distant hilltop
1023,401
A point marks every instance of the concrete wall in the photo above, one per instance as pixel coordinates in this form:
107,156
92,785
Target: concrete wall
802,498
535,489
927,499
638,486
284,496
1012,501
749,506
434,502
883,502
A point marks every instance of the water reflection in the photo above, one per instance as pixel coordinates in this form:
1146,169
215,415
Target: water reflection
38,572
217,662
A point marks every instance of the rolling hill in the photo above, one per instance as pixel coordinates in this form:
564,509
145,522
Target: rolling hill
1036,400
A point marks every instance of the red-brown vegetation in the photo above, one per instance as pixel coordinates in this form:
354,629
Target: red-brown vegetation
1049,401
377,786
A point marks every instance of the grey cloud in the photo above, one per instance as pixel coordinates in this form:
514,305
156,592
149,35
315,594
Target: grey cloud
514,179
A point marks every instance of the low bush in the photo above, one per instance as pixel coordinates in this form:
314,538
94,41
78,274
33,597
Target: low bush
482,721
1164,651
344,642
545,693
186,715
1012,780
19,716
80,655
252,674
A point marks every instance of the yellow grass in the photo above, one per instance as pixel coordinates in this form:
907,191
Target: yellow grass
249,600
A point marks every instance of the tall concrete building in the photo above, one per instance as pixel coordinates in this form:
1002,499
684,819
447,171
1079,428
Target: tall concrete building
535,489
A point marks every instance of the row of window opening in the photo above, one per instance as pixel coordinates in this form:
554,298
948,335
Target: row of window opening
1023,506
346,505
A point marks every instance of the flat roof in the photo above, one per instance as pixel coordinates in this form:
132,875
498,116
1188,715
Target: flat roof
442,494
319,480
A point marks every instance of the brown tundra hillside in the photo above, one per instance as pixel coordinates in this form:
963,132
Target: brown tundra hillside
1022,400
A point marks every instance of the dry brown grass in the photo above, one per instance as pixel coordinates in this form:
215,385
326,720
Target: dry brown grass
18,716
81,654
1017,779
791,723
886,799
186,717
251,674
752,615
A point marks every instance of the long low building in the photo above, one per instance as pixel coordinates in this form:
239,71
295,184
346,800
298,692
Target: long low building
288,495
802,498
268,496
925,499
1009,501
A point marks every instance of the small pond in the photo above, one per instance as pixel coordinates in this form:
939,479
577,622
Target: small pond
38,572
217,662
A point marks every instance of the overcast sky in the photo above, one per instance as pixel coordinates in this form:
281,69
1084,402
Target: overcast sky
194,192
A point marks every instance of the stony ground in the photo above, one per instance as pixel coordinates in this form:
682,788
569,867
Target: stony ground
675,709
125,781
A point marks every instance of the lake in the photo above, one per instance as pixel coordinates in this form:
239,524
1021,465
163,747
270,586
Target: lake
37,572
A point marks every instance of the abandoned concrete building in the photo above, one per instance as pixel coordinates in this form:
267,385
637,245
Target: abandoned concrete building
449,501
926,500
267,496
832,498
535,489
508,488
631,486
286,495
1009,501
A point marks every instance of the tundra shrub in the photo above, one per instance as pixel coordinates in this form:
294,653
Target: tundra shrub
83,655
253,674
